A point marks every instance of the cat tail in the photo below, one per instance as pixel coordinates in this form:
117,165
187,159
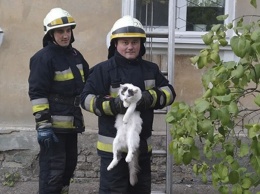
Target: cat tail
134,168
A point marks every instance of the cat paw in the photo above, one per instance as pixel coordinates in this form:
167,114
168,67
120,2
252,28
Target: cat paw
109,167
128,158
133,179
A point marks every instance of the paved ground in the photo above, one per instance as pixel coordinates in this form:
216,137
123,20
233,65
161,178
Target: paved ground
91,188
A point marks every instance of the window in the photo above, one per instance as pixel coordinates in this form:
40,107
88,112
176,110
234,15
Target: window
191,15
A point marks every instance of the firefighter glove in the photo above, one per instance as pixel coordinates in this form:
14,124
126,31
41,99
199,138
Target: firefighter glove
46,137
153,98
117,107
108,106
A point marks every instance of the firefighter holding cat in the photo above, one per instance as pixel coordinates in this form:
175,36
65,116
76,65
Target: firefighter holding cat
99,96
58,73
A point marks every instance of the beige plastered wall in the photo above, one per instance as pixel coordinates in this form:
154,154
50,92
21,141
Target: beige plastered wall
21,21
22,24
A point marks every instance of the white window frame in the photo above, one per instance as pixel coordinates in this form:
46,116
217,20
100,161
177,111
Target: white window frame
185,41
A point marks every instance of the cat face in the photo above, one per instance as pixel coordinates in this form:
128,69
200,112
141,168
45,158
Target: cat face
129,93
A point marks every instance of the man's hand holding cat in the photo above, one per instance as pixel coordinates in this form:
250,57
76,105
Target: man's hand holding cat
117,106
153,98
108,106
145,102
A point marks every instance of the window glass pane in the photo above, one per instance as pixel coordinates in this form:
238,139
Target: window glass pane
201,14
191,15
152,12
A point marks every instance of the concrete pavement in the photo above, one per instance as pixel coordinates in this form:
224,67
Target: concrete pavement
31,187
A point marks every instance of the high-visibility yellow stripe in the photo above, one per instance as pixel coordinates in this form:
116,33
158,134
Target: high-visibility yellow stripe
63,77
122,35
82,75
62,124
168,93
40,107
59,21
71,20
62,121
91,106
105,144
114,91
168,96
106,108
104,147
153,93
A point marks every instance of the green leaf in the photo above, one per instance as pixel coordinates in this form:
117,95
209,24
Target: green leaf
223,171
255,36
226,98
240,45
195,152
213,114
256,47
257,100
255,73
222,17
237,189
232,108
194,59
246,183
244,150
233,177
223,42
205,125
224,116
238,72
223,190
195,169
214,56
201,105
216,27
253,3
187,157
202,61
207,38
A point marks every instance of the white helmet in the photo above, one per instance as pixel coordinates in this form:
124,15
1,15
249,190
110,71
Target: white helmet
127,26
57,18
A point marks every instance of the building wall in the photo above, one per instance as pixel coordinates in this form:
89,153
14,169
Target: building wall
22,24
23,33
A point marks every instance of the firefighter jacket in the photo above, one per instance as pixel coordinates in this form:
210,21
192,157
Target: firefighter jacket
105,79
57,77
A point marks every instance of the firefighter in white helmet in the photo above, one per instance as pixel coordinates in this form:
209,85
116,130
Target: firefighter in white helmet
58,73
99,96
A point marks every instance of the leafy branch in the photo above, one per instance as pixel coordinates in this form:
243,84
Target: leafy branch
225,119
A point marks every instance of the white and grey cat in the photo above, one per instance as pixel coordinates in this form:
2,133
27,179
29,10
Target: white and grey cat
128,127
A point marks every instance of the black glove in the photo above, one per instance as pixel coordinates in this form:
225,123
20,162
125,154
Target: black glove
117,106
46,137
109,106
145,102
153,98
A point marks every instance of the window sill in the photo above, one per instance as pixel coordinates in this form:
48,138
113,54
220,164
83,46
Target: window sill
186,43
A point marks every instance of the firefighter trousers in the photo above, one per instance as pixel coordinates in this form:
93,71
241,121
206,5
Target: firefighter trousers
57,163
116,181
